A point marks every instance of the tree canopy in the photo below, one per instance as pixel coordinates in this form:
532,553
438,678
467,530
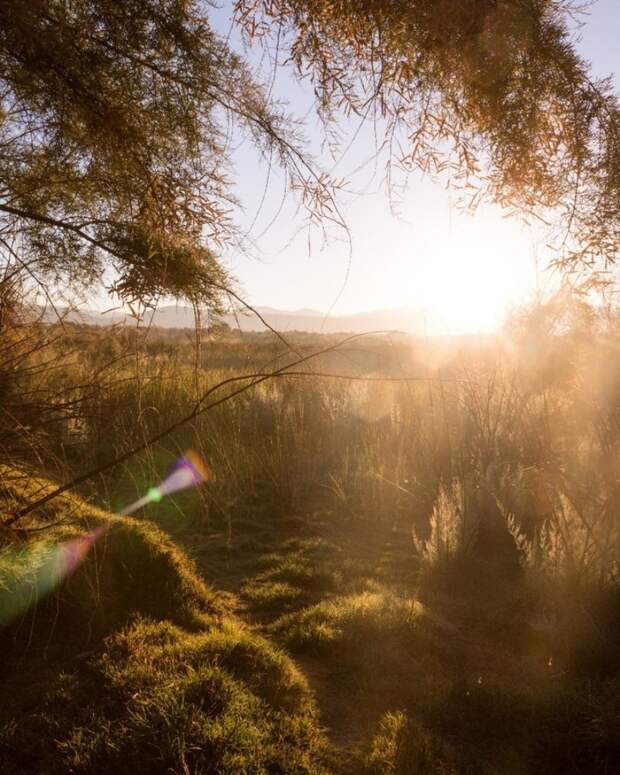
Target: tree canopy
490,90
113,135
115,121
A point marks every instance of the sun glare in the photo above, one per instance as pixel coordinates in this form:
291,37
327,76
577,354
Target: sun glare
474,276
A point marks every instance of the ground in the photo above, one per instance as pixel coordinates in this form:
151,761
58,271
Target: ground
379,649
287,643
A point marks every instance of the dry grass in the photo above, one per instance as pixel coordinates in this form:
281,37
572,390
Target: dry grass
428,568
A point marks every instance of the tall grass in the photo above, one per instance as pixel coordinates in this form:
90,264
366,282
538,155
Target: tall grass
488,480
507,445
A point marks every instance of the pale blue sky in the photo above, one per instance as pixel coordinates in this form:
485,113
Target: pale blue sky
435,257
466,271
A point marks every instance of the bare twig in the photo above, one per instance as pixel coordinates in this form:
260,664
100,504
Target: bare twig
199,408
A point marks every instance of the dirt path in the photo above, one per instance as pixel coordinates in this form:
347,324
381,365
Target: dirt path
320,557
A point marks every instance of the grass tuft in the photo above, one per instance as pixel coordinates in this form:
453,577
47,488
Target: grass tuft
169,682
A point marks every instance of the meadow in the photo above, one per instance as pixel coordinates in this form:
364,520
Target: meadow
406,559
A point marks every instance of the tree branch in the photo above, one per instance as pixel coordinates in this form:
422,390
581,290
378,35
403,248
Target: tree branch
200,408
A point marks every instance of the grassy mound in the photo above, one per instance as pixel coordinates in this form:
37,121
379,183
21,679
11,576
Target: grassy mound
359,619
377,651
131,662
444,702
302,573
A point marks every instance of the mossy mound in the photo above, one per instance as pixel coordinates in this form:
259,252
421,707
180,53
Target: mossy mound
132,663
132,568
357,619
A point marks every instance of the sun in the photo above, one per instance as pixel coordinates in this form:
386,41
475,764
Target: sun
475,273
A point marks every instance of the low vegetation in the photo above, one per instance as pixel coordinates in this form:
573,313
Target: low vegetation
133,662
412,575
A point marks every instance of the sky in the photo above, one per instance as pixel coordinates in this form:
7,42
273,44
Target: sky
467,270
463,272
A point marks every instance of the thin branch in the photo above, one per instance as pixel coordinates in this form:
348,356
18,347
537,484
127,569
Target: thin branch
200,408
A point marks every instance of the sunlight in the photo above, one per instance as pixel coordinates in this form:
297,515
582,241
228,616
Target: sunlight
365,257
474,275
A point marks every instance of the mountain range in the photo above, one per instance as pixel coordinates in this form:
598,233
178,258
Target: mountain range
411,320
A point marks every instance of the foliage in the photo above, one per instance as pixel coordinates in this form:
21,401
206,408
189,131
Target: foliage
116,123
493,92
115,126
452,534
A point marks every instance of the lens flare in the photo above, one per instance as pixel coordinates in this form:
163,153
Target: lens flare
190,470
37,570
34,572
154,494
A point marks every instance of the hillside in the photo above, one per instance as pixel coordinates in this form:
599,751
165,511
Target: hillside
178,316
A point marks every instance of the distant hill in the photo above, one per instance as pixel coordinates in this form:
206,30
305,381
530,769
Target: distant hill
411,320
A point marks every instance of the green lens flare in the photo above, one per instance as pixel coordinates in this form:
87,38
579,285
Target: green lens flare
154,494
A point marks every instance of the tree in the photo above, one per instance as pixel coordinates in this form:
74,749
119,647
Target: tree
114,129
115,120
491,90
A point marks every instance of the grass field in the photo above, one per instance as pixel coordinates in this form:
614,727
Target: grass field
415,576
